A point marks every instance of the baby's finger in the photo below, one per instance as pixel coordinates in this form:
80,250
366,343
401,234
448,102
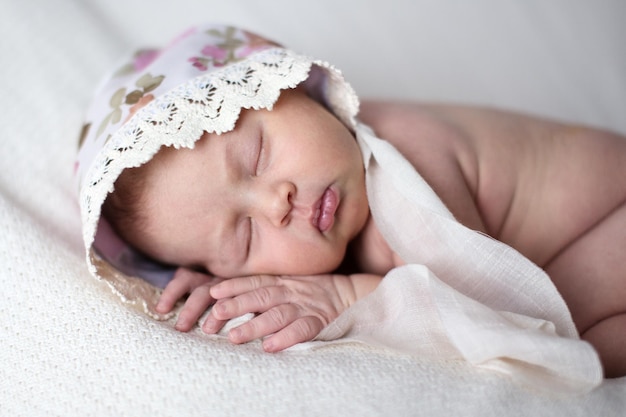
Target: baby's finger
236,286
264,324
301,330
197,303
256,301
183,282
212,325
168,299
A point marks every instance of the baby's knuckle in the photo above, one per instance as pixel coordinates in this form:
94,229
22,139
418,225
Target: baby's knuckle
306,328
257,281
278,316
202,290
263,296
261,281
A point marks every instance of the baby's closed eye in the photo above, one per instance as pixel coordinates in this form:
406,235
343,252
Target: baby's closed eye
261,155
249,237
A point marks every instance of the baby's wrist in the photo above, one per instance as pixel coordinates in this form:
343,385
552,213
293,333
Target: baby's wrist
364,284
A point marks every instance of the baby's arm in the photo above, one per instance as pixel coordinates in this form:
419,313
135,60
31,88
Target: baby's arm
292,309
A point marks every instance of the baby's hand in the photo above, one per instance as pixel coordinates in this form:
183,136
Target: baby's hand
292,309
197,285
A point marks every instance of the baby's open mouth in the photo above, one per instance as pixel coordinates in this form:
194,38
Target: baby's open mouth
325,208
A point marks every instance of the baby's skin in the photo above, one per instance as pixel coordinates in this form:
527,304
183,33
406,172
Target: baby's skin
553,191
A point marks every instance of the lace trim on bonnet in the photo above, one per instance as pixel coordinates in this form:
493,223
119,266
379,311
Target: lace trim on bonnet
208,102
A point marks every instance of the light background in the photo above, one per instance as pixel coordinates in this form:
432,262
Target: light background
68,348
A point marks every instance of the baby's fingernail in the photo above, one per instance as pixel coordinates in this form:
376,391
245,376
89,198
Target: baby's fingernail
235,335
220,310
209,325
182,325
214,290
268,345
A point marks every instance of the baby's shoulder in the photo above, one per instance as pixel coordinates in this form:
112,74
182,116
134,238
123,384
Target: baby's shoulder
437,142
508,174
441,141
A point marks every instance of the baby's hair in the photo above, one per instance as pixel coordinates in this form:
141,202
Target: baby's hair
127,207
124,207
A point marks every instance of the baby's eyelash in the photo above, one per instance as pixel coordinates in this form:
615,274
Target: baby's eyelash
249,239
259,155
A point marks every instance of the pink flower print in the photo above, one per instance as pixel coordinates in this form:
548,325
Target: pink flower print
199,63
255,43
211,54
144,58
215,52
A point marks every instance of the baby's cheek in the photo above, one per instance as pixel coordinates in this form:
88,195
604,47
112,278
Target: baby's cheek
300,256
324,261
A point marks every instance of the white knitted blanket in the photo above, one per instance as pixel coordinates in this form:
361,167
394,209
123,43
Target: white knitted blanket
67,345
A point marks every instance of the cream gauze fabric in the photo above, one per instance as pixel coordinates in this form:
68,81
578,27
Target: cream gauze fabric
461,294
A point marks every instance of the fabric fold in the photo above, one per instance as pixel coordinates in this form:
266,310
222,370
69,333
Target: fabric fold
477,298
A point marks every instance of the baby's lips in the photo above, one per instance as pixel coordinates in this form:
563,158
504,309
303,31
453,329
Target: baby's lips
325,210
330,202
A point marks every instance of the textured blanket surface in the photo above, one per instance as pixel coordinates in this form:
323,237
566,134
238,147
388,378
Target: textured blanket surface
69,348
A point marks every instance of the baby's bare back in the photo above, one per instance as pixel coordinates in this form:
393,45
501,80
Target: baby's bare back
555,192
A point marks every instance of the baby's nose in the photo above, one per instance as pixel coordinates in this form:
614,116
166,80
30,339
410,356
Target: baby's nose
276,202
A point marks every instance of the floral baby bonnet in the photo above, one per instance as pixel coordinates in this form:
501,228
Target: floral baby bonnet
169,97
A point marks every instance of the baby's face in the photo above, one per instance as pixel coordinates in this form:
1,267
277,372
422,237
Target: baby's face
283,193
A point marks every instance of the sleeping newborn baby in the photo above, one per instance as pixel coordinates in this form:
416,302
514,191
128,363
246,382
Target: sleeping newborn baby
241,177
